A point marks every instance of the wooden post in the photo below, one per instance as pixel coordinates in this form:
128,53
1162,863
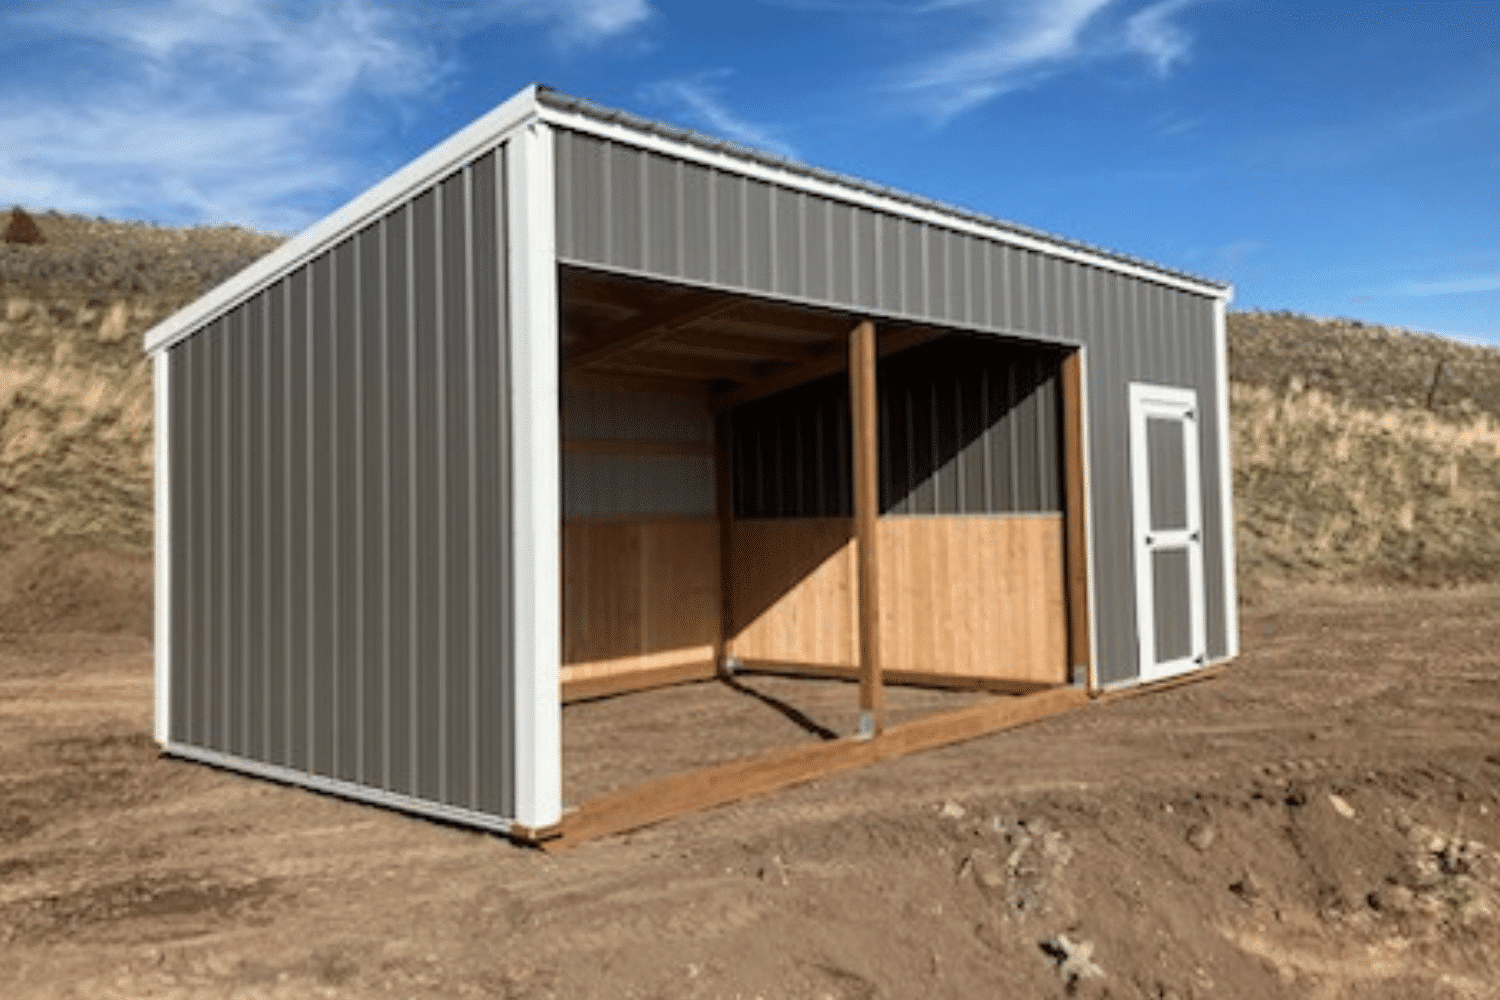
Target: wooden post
1075,523
866,524
724,503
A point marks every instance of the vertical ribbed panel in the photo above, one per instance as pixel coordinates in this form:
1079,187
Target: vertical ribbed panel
341,563
967,426
623,485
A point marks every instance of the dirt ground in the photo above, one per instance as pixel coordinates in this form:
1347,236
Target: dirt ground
1319,821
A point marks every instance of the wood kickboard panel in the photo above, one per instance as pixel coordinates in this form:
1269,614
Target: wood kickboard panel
973,597
638,596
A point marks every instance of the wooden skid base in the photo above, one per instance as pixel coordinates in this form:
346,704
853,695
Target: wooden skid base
653,802
909,678
640,680
1166,683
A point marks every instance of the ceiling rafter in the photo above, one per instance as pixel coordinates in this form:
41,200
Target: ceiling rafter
648,326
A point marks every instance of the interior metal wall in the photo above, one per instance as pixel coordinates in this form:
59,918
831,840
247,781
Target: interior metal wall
627,209
636,485
340,536
967,426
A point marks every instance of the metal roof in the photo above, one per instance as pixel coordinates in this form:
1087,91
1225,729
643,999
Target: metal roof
552,98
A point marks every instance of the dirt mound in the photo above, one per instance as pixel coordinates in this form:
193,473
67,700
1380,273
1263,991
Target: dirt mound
67,586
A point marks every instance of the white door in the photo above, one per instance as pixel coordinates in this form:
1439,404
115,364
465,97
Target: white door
1168,523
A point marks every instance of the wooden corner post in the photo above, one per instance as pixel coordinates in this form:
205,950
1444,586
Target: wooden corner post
862,356
1075,520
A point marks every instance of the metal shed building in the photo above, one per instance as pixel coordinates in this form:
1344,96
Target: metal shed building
578,403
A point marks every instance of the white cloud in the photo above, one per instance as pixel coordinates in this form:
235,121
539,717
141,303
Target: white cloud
241,111
1018,44
700,98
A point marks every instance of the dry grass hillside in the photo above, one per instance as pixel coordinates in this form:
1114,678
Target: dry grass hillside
1362,454
75,409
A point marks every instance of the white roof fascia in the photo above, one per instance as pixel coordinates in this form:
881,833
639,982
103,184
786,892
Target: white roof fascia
469,143
802,181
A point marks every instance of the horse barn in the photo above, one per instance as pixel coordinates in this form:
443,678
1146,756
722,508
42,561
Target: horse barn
579,413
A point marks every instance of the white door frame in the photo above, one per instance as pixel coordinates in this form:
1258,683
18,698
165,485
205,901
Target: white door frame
1166,403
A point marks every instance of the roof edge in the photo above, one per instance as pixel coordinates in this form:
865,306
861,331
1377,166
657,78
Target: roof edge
471,141
548,97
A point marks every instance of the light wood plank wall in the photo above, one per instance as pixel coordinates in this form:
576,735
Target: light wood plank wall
638,595
961,597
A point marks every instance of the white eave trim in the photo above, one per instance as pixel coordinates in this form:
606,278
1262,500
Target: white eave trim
799,181
473,141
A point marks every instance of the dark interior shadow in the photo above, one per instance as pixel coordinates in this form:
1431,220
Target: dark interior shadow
797,717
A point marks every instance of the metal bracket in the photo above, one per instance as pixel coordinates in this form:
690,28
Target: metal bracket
866,726
732,665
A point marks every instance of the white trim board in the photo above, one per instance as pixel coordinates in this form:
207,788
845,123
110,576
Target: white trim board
1226,483
161,545
536,508
469,143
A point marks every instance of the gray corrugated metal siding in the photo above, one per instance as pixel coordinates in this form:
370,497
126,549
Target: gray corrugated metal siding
622,485
340,545
967,426
885,264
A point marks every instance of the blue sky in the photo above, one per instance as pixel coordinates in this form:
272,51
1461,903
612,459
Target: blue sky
1335,159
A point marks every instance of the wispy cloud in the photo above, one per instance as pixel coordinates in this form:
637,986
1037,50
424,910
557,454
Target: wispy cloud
1152,33
1447,286
240,111
1017,45
700,98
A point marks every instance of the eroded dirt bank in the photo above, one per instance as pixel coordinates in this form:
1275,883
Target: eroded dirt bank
1320,821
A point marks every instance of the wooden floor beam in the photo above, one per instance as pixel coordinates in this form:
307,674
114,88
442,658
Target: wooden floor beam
655,801
904,678
608,686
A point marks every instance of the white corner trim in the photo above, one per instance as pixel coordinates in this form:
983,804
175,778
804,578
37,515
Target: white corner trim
470,142
536,512
161,545
622,133
1226,482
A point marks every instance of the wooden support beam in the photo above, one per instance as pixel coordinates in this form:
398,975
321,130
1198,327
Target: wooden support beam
655,362
905,678
758,348
836,360
866,448
1075,522
649,325
724,506
655,801
620,446
639,680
